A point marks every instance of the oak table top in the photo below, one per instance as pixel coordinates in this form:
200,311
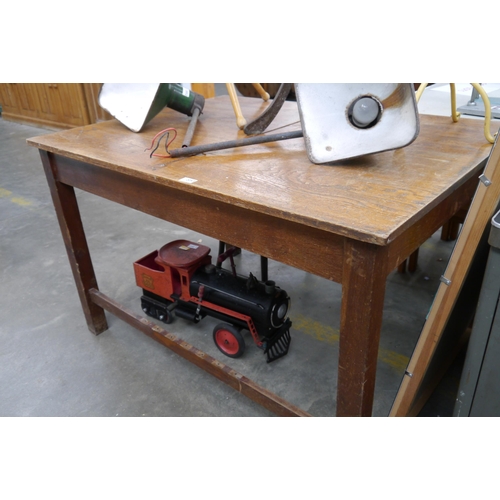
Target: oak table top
371,198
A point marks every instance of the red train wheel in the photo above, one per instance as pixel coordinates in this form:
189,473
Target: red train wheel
229,340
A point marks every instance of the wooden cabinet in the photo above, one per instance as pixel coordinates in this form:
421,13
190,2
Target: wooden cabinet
52,105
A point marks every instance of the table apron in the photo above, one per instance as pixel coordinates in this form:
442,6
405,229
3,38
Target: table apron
307,248
420,231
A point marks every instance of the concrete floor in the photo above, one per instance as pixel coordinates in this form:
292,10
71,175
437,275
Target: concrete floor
51,365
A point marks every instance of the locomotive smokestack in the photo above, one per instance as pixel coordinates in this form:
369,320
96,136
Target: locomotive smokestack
270,287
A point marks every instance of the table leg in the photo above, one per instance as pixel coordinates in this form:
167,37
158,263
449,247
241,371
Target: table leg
70,222
363,289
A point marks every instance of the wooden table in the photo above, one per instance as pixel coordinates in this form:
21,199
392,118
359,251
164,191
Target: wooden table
351,222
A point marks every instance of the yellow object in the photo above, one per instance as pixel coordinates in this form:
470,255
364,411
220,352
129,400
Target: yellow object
420,91
487,112
455,115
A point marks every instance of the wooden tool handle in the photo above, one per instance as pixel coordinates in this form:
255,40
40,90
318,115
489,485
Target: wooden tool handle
240,120
258,87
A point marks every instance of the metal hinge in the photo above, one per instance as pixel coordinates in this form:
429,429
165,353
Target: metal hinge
485,180
446,281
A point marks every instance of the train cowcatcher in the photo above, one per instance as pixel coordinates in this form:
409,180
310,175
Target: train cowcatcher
181,280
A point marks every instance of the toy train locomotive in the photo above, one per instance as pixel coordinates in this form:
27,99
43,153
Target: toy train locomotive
180,279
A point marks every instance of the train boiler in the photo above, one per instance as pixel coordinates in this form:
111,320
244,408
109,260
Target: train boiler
181,280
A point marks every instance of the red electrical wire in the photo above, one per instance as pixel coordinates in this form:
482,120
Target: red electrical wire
162,134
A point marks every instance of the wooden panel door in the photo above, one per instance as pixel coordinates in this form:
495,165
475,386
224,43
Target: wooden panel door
55,105
19,101
62,104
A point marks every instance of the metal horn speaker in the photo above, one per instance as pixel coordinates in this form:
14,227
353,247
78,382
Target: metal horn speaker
345,120
135,104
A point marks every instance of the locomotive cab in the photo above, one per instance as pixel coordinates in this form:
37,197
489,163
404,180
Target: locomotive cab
182,258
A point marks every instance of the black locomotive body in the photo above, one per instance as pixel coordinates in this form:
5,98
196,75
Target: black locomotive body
181,280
